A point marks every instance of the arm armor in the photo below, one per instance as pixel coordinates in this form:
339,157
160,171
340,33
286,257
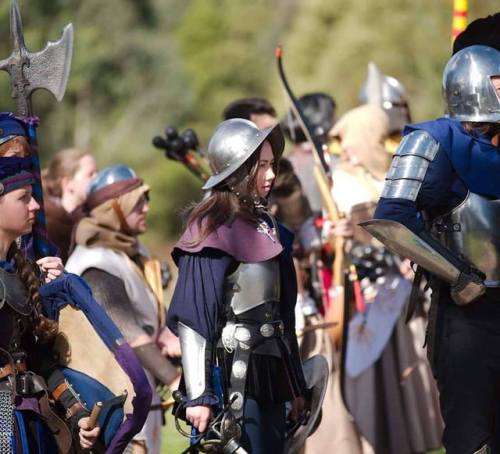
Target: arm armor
409,166
424,250
404,180
196,361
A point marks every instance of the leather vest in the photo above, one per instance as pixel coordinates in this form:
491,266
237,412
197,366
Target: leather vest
16,311
472,231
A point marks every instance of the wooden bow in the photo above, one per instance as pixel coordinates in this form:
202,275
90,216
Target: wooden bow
322,175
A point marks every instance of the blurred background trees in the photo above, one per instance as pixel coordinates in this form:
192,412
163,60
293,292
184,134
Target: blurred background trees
142,64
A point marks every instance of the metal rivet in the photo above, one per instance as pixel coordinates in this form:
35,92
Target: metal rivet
266,330
239,369
238,400
242,334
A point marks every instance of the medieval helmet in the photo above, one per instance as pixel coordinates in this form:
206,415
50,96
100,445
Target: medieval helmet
110,175
467,86
319,112
233,142
388,93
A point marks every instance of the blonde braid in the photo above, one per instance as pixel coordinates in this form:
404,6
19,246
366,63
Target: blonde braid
45,329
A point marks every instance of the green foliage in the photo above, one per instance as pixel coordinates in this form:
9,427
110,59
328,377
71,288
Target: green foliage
139,65
227,50
330,43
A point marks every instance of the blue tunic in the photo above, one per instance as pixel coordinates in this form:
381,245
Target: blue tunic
465,359
463,162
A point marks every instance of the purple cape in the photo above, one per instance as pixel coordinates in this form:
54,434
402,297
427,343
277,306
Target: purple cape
240,239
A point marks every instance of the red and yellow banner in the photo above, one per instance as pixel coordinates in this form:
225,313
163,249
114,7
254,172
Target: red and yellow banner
460,11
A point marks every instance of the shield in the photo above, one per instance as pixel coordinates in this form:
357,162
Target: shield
369,332
316,373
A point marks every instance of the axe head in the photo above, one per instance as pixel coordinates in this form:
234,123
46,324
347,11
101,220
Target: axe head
29,71
49,68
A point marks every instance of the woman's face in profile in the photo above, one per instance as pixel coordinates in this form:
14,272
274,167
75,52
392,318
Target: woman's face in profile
18,210
265,173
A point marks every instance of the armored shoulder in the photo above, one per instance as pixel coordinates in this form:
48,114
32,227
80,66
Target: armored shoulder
14,293
409,166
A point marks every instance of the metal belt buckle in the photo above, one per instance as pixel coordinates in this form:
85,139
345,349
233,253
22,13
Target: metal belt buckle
24,384
28,383
267,330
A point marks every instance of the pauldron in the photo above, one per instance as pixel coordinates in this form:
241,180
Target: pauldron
14,293
409,166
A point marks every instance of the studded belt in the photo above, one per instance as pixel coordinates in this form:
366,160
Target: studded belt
249,334
241,338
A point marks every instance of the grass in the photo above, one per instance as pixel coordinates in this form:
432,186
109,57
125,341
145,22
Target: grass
172,442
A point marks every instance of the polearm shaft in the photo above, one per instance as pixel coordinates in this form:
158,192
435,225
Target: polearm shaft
47,69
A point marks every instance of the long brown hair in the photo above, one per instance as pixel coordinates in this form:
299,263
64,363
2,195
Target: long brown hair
223,205
65,163
45,329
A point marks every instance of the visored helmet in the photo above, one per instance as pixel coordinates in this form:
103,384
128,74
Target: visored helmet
467,86
388,93
233,142
110,175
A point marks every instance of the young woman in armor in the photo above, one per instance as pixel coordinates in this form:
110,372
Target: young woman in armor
233,305
28,372
440,208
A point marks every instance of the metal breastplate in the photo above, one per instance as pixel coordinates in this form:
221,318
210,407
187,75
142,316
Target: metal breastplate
253,284
14,293
472,230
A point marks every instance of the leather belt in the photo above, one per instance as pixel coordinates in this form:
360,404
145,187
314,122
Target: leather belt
12,369
60,389
242,338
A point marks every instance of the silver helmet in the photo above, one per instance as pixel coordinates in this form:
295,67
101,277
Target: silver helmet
388,93
233,142
110,175
467,86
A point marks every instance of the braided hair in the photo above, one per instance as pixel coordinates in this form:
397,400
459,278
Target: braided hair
45,329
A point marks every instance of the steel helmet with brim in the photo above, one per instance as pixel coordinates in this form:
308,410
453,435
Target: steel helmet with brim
232,144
